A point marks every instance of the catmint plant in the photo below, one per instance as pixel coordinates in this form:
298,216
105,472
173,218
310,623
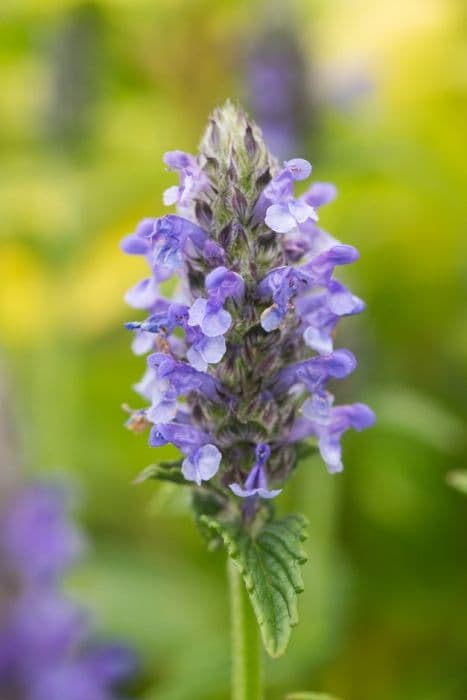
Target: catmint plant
240,357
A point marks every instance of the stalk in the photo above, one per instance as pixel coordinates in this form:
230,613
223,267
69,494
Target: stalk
246,670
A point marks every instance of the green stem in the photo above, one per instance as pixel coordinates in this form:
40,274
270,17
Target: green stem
247,677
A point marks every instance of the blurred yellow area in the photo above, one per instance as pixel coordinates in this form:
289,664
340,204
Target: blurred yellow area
28,308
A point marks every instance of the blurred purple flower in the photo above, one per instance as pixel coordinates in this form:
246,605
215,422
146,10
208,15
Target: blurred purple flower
46,647
277,89
38,539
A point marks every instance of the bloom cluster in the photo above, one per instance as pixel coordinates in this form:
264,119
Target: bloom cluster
45,652
241,355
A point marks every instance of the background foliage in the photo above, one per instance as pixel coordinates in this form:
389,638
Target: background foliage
92,95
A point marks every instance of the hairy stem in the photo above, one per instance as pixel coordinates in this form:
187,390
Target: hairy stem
246,671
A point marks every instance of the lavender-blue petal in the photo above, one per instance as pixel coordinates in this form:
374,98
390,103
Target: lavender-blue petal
134,245
320,193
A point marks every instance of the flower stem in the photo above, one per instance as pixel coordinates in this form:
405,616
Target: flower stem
246,671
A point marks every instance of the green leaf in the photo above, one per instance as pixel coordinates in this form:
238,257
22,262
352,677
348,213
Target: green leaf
310,696
205,506
269,562
458,479
165,471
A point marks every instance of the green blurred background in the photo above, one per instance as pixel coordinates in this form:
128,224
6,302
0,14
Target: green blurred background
92,95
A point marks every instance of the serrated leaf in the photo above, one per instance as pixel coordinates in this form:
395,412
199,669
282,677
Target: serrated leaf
310,696
458,479
269,562
165,471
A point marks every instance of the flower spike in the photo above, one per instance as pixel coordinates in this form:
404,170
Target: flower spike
239,361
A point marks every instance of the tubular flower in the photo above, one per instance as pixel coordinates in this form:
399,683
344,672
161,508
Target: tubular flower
240,359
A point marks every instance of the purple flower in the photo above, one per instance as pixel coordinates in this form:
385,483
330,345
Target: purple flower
53,629
281,185
319,194
282,285
303,244
328,424
164,403
175,378
47,650
143,295
172,238
322,266
202,464
280,188
251,259
316,371
164,321
256,482
69,679
181,376
223,284
193,179
91,676
111,664
320,313
137,243
182,434
202,457
213,253
205,350
286,213
287,216
277,85
143,342
285,283
209,314
147,385
37,537
277,77
141,243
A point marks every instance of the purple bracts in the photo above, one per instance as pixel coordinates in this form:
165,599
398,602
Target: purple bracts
241,358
